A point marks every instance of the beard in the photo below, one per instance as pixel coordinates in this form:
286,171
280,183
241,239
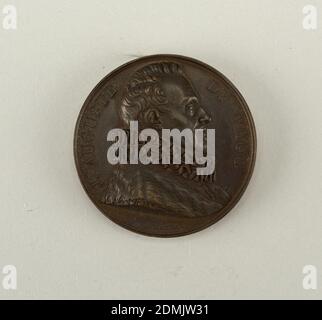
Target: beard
189,172
185,171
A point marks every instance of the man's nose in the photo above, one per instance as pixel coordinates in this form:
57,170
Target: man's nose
204,117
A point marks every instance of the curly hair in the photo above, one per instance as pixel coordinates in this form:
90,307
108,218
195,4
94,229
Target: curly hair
144,90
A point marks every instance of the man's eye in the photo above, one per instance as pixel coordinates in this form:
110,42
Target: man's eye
190,109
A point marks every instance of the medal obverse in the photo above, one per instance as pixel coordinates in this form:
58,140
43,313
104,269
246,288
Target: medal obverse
165,145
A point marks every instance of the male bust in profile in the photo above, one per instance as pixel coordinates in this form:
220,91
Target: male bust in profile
160,96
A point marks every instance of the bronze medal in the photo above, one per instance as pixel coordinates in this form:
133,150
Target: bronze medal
164,196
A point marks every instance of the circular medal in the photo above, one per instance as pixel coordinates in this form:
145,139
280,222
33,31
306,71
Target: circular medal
165,145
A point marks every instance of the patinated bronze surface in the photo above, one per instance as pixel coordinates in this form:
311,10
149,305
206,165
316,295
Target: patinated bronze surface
165,92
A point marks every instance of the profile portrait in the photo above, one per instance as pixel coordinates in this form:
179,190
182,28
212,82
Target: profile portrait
161,96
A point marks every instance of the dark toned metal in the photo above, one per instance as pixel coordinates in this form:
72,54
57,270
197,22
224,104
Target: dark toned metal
160,200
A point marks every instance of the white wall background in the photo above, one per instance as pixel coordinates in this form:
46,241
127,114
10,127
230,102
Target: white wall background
62,246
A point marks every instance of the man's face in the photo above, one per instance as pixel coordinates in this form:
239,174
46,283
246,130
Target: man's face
183,108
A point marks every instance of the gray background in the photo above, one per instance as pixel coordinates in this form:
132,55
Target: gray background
63,247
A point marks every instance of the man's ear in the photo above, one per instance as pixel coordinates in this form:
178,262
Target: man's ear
152,117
